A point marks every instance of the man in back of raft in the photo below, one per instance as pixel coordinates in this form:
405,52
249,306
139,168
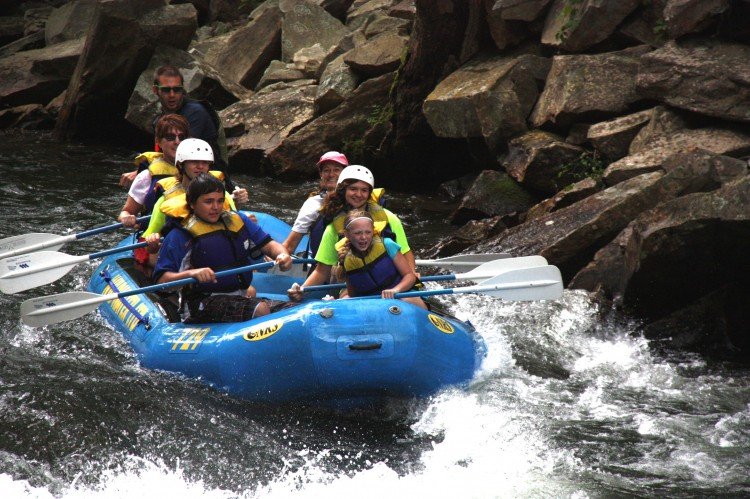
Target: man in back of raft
212,239
203,120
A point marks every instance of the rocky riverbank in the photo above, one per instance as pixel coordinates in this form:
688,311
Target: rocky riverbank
610,137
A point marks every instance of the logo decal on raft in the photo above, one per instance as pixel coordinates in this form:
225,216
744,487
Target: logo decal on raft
440,323
190,339
262,330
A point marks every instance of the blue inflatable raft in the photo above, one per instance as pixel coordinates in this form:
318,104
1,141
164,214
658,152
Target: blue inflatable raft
322,352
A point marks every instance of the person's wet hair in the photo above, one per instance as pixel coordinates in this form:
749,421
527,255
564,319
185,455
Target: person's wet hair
170,122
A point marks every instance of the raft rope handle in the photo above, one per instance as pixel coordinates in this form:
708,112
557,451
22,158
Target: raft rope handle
141,318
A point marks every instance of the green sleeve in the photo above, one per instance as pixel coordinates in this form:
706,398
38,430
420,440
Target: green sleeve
231,200
158,219
398,229
327,253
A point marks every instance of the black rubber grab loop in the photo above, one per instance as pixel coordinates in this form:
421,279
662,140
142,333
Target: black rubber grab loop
361,345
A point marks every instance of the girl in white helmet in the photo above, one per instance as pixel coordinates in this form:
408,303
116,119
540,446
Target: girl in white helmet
193,157
353,190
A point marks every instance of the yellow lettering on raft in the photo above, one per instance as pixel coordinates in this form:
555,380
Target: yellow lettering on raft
190,339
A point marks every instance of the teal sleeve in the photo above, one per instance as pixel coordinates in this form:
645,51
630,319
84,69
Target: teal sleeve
391,247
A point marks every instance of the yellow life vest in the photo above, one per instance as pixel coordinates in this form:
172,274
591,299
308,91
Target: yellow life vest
229,220
377,212
177,206
171,187
146,158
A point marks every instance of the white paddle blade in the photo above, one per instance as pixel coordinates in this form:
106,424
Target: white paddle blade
46,310
537,283
26,243
23,272
495,267
463,263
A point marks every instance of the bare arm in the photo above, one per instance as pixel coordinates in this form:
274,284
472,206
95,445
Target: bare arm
320,275
204,274
407,277
129,211
292,241
279,253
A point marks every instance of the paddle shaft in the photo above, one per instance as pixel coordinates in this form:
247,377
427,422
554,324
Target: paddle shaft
150,289
57,241
429,278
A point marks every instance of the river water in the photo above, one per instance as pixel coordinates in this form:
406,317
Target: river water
567,404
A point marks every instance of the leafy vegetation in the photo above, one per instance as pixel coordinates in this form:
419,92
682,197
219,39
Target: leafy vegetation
588,164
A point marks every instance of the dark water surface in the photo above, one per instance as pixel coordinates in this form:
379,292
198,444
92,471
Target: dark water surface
564,406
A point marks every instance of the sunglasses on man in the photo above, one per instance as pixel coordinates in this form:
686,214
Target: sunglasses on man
167,90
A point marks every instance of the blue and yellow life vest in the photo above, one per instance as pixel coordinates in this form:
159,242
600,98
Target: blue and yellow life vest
221,245
372,273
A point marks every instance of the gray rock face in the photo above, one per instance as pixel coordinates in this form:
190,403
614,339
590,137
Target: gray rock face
492,194
708,77
662,122
715,140
677,251
473,232
688,16
259,42
537,160
36,76
279,71
581,87
379,55
488,97
585,25
119,45
520,10
387,24
265,119
612,138
566,197
69,21
29,42
341,129
570,236
202,82
337,83
306,24
504,33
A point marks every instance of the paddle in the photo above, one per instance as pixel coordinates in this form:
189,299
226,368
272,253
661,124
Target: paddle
32,270
537,283
480,273
35,241
463,263
46,310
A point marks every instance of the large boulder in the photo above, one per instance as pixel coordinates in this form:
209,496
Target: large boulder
11,28
258,42
69,21
306,24
487,97
706,76
379,55
689,16
28,42
519,10
37,76
576,28
279,71
583,87
538,159
662,123
570,237
337,83
119,45
201,81
503,32
680,250
716,140
566,197
341,129
492,194
264,121
612,138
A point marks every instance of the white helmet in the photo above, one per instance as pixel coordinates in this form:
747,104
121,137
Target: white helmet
193,150
357,172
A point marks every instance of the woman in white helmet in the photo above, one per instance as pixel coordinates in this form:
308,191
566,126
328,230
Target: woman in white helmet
353,192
